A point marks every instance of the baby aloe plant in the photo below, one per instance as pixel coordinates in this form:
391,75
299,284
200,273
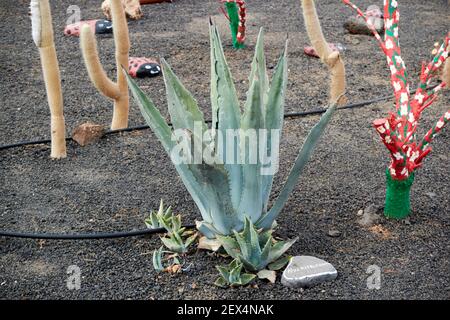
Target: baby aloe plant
256,251
158,261
153,220
177,239
232,276
227,189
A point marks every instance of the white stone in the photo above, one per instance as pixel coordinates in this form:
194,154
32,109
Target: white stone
307,271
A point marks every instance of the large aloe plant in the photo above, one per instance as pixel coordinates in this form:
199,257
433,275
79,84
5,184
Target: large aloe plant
226,193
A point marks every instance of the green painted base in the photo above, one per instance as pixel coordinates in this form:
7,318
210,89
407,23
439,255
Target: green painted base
398,202
238,45
233,13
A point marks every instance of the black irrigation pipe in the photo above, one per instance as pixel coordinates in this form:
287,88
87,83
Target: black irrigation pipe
86,236
144,127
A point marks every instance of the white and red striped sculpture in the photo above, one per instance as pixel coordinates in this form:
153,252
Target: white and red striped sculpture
398,130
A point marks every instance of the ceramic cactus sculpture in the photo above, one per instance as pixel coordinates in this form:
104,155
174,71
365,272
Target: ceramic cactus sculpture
236,14
446,71
116,91
398,130
330,58
42,31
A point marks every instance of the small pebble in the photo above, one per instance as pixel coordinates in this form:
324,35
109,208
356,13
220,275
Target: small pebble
430,195
334,233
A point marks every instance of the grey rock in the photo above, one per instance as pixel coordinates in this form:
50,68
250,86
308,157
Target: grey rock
307,271
334,233
370,216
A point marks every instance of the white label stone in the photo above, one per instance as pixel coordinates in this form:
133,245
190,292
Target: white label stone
307,271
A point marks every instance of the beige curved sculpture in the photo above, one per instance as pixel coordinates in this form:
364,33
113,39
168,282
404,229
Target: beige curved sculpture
117,91
42,31
332,59
446,73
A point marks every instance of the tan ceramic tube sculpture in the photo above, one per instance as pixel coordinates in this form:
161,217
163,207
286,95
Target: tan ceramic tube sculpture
117,91
332,59
446,73
42,31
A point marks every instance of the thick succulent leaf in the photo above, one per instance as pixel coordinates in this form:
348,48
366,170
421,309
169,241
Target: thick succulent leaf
168,213
244,246
163,132
207,229
279,248
225,109
280,263
258,67
235,274
157,260
249,265
302,159
274,116
266,250
172,245
221,282
165,224
264,236
252,120
213,180
176,236
233,264
183,108
152,115
190,240
246,278
224,272
252,240
161,207
176,223
152,221
230,245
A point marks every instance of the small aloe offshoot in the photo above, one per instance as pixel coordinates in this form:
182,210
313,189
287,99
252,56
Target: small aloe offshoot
232,276
165,215
158,261
256,250
177,239
224,191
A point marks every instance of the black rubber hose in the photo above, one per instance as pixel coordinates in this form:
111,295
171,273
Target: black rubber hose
86,236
